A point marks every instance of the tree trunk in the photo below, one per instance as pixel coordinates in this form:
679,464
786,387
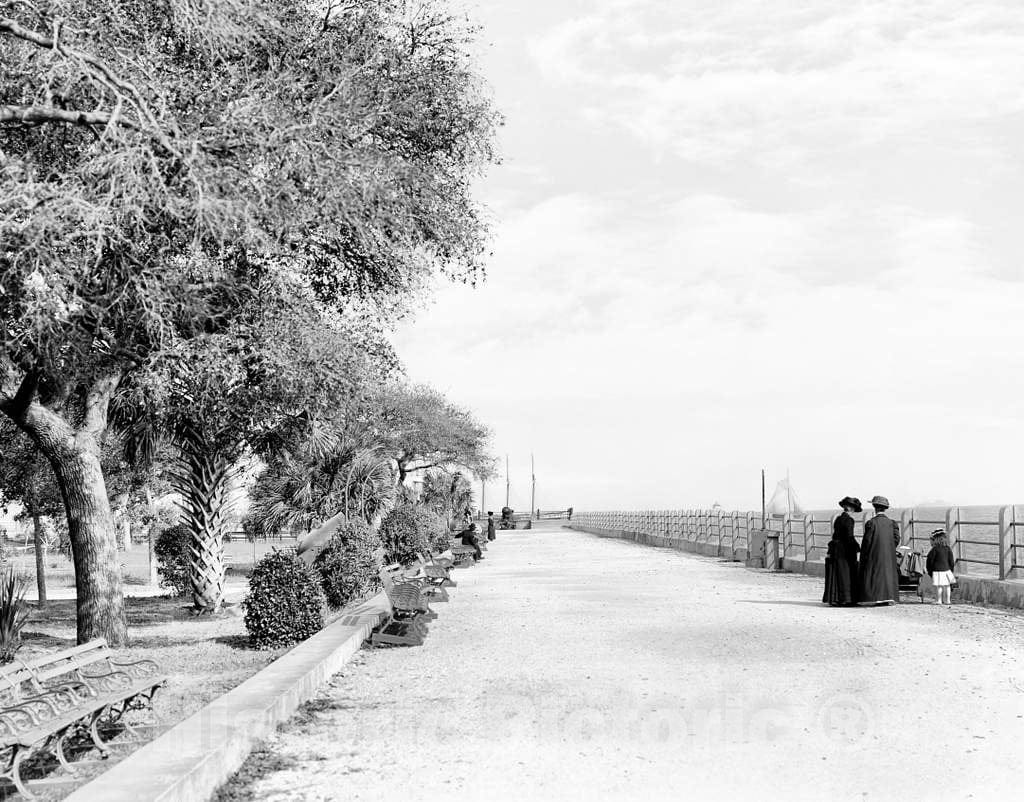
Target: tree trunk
93,548
75,457
37,523
154,578
203,483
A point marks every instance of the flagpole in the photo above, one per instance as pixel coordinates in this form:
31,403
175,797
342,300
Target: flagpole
533,487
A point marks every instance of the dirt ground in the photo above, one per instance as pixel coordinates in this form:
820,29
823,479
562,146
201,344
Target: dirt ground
203,657
569,667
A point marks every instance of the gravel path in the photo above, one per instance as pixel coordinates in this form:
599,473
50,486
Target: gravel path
570,667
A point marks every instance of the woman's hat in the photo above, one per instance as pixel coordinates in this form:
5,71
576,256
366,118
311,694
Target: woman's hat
849,501
880,501
937,532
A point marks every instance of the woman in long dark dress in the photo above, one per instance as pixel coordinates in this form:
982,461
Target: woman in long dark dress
841,578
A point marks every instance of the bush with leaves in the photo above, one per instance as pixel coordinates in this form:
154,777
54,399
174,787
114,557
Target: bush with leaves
172,554
348,564
285,603
410,530
436,528
13,614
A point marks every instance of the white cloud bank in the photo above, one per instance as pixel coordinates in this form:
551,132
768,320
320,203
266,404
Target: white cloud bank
807,276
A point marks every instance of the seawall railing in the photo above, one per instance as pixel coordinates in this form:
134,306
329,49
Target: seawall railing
986,541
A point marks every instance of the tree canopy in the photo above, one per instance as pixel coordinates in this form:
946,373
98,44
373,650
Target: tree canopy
154,153
421,428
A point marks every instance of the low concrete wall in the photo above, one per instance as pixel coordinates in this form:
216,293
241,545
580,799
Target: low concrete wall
664,542
1008,592
982,590
192,759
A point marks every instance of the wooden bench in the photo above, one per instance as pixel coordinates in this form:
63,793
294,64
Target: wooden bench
410,610
433,587
47,701
463,554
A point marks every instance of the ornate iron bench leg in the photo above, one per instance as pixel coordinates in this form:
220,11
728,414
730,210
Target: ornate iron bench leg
14,772
58,750
94,733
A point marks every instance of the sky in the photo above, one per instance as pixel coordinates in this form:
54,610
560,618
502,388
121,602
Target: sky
742,234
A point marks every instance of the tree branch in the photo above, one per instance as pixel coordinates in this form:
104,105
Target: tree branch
97,404
98,68
16,406
38,115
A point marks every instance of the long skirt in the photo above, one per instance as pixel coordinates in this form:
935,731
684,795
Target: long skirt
840,581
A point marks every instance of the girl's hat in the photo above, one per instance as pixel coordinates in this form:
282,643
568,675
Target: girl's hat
849,501
936,532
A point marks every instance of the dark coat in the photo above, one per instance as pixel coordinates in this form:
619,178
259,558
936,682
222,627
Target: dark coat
940,558
879,576
842,584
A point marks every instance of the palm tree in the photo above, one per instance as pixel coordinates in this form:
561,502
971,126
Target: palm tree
447,493
302,489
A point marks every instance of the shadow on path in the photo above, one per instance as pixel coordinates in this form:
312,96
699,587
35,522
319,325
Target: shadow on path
784,601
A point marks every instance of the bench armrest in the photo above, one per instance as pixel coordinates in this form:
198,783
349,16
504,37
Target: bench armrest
111,681
144,666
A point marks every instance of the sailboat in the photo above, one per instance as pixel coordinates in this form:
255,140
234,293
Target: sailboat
784,500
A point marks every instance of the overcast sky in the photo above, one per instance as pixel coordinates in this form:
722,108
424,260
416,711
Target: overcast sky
738,233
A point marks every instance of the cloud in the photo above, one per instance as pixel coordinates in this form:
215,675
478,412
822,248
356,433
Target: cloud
779,83
751,233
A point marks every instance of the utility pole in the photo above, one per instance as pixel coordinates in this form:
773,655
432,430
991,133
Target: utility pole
507,481
533,487
764,506
483,497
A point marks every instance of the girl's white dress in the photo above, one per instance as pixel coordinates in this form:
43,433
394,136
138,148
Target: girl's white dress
943,579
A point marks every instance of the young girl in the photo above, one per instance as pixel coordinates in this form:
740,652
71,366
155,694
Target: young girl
940,566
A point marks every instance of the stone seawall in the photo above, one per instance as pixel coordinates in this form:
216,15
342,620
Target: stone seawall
982,590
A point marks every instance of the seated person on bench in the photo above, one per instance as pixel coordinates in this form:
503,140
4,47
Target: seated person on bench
469,538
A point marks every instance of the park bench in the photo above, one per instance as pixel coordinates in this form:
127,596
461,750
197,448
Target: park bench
410,610
438,561
48,701
433,587
436,575
462,554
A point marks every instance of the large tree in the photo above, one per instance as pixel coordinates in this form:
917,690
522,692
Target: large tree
264,381
422,429
148,148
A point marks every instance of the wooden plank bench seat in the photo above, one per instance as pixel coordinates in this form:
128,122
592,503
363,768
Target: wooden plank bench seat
410,610
52,699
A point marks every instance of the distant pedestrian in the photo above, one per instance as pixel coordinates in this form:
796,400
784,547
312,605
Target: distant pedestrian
842,579
490,526
879,577
939,564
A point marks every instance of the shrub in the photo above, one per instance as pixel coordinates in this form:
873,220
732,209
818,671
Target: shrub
285,603
412,529
172,556
348,564
13,614
437,530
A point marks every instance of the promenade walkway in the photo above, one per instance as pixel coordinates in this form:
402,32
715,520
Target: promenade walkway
570,667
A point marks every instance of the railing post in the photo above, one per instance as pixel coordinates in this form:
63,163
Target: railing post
952,516
719,532
905,519
1005,538
808,534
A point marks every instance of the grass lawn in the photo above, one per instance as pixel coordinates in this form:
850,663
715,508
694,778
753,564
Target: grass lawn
202,656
